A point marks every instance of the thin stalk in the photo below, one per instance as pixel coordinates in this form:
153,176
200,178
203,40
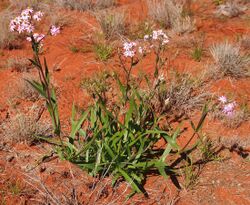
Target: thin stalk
43,80
127,80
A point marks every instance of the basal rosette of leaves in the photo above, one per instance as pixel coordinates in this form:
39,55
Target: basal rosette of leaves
121,149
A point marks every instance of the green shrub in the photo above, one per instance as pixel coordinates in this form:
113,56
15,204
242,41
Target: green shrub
103,51
197,54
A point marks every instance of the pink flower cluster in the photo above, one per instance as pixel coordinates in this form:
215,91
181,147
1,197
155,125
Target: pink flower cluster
228,108
129,49
144,47
25,23
157,35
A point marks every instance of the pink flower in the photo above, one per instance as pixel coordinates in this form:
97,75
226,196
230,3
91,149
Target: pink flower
27,11
158,35
228,109
38,16
129,49
29,39
54,30
23,22
38,37
29,28
129,53
222,99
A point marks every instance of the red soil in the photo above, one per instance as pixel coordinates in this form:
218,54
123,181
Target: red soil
225,182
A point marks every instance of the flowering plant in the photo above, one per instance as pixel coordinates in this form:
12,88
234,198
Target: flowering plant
109,141
25,23
227,108
132,51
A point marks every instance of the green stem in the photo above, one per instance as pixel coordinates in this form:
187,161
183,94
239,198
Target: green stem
46,87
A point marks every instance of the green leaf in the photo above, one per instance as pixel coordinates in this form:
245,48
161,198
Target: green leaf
192,125
161,168
35,63
38,87
203,117
46,72
110,152
75,127
121,87
129,180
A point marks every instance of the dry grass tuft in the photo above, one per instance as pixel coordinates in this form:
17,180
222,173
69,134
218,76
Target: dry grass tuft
237,119
164,12
102,4
98,85
25,91
80,5
183,25
84,5
230,9
59,19
170,15
180,93
35,4
24,126
245,43
19,64
229,61
112,23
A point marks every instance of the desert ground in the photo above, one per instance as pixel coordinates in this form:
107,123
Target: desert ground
125,102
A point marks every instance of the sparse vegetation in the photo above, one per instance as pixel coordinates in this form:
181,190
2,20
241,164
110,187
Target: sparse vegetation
19,64
191,176
24,126
230,113
230,9
240,116
112,23
218,2
35,4
171,15
140,30
84,5
81,5
197,54
180,93
103,51
229,61
59,19
98,85
136,125
102,4
245,42
7,39
25,90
